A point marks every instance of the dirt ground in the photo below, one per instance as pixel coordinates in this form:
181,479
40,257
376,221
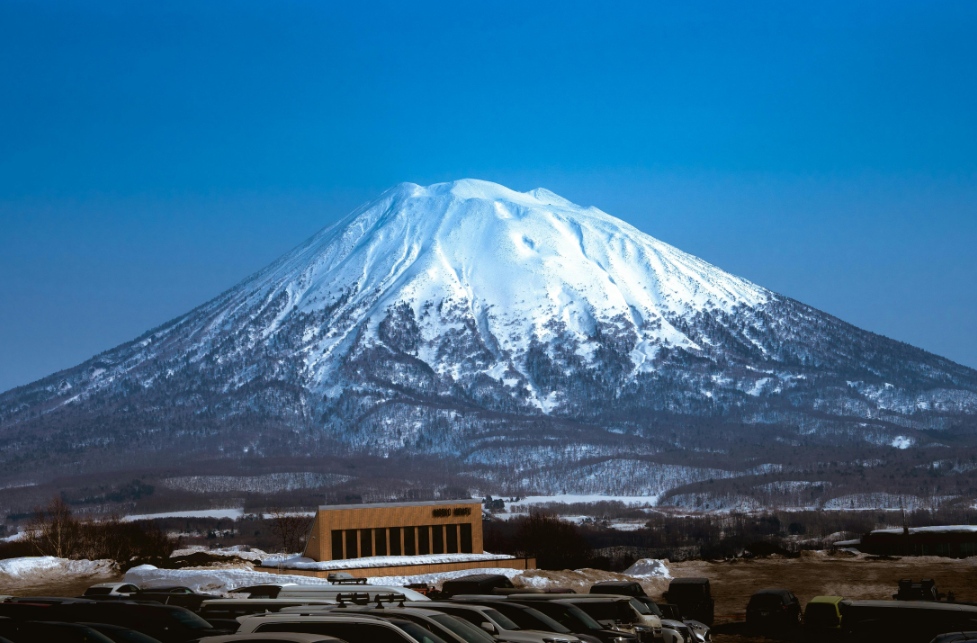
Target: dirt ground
815,574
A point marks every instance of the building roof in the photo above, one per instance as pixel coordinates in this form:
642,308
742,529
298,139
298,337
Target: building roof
385,505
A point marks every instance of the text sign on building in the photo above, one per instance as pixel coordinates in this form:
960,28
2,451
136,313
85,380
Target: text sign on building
447,512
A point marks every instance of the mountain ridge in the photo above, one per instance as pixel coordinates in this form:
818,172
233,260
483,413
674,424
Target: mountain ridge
446,319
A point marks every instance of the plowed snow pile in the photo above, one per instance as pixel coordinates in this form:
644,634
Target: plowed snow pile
34,571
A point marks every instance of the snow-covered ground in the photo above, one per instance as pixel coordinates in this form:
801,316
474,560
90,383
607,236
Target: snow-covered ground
299,562
28,566
234,514
37,570
223,580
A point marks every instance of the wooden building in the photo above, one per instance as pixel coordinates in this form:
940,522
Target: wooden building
341,532
448,533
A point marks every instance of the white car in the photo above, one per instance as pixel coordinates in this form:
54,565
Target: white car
112,589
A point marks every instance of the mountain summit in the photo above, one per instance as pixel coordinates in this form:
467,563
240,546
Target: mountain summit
535,344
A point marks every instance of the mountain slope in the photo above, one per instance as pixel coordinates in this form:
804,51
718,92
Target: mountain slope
508,332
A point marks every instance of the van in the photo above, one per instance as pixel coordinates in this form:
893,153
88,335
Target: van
823,613
693,597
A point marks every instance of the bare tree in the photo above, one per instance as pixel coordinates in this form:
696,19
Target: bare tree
289,528
54,531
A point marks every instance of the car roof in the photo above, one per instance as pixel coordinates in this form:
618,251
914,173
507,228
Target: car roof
295,637
829,599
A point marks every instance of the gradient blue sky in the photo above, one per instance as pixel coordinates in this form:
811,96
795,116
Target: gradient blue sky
154,154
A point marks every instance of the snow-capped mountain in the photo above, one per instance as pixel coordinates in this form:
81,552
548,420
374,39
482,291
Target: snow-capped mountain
516,333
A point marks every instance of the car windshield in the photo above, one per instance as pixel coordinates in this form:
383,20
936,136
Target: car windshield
462,628
189,620
653,609
605,611
530,619
98,591
573,618
765,601
640,607
418,633
501,620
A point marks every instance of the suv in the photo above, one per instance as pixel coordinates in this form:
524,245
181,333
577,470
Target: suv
476,584
496,623
349,627
693,598
773,608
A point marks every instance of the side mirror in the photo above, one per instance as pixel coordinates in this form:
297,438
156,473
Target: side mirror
488,627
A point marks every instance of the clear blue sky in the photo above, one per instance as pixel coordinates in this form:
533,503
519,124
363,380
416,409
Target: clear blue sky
154,154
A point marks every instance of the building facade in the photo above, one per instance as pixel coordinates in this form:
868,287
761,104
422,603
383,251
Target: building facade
342,532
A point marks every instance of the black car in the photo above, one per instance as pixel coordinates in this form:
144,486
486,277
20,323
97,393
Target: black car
36,631
693,597
179,596
476,584
576,620
773,608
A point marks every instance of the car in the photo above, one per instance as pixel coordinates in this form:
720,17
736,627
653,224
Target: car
671,612
924,590
450,628
623,613
495,623
111,589
673,621
37,631
525,616
121,634
348,627
773,608
268,637
476,584
910,621
575,619
362,594
823,613
177,595
956,637
168,623
693,596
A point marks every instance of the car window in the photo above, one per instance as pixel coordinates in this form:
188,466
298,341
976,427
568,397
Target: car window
640,607
463,628
531,619
350,632
188,619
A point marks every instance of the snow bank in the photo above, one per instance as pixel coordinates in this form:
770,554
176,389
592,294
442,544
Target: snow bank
30,567
238,551
649,568
224,580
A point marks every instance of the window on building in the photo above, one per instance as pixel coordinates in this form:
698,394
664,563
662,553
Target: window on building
337,544
466,538
352,551
366,542
380,537
451,538
423,540
395,541
437,533
410,547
